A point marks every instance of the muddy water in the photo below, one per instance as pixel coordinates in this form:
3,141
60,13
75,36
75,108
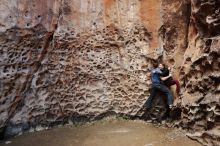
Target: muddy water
105,133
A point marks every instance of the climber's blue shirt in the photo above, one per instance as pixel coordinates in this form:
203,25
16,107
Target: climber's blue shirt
155,75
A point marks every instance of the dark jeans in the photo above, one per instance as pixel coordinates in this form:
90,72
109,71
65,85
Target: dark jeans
159,87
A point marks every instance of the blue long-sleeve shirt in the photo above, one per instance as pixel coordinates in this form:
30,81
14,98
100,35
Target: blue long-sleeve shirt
155,75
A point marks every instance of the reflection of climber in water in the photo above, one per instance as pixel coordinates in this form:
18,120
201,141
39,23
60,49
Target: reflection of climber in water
156,77
169,81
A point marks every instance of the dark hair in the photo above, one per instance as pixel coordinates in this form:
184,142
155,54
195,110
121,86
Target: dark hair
155,64
164,65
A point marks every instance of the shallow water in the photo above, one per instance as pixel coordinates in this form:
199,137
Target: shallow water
105,133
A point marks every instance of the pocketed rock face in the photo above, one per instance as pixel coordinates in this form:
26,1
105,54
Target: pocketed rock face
66,61
82,60
26,31
94,73
199,74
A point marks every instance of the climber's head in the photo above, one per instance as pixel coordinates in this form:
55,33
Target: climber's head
155,64
161,65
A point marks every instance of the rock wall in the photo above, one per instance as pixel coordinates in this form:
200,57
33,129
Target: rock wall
200,73
191,42
68,59
65,61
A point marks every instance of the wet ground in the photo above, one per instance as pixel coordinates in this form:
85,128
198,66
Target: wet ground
105,133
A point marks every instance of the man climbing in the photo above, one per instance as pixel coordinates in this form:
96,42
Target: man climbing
156,77
169,81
